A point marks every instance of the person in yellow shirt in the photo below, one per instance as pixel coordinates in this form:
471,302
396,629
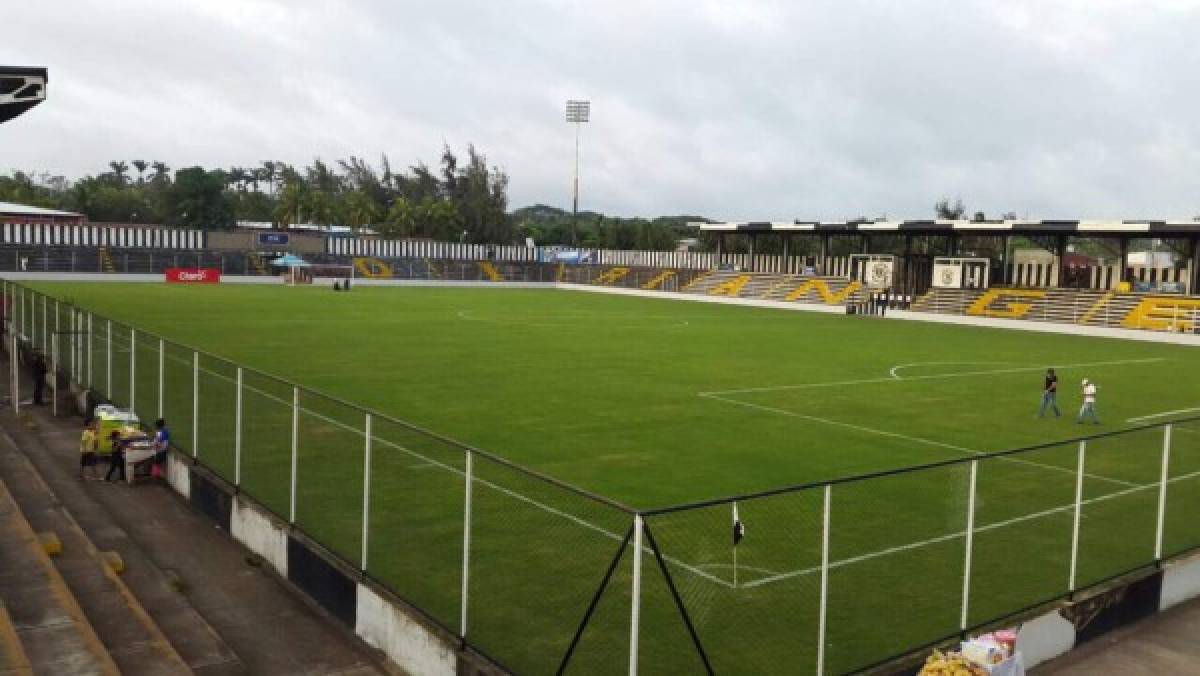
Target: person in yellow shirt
87,450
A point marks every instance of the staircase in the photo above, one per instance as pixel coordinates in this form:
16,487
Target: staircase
257,267
490,271
658,280
611,276
106,261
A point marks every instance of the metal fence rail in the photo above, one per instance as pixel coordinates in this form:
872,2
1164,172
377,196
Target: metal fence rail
544,577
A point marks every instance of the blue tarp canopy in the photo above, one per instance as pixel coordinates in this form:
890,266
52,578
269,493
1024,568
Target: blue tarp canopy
290,261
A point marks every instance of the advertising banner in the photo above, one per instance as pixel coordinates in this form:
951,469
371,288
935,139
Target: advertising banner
947,275
878,274
193,275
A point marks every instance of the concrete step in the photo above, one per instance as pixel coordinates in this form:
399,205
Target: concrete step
13,660
54,634
132,638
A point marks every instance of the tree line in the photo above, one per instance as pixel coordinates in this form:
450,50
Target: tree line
456,201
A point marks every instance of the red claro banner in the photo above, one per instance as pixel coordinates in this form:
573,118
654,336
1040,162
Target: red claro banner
193,275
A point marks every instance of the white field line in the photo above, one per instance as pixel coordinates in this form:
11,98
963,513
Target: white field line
1163,414
935,376
895,370
454,470
920,440
951,536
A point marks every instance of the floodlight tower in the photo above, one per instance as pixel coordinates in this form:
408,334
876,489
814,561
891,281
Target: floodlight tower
577,112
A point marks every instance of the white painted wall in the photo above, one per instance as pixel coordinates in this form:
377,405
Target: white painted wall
1181,582
261,534
177,474
410,645
1044,638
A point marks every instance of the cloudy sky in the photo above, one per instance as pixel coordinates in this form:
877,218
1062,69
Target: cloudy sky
735,109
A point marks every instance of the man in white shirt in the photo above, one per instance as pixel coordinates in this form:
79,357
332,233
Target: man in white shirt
1089,403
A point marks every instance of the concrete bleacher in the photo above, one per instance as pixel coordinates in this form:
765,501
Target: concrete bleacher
1068,306
779,287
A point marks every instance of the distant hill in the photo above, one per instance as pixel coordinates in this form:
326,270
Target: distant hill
551,225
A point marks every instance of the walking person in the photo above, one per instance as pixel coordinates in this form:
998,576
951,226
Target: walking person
1089,403
116,460
87,450
1050,395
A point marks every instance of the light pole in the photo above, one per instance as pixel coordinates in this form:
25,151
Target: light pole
577,112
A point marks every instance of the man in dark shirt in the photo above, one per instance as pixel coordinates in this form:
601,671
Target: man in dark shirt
1050,395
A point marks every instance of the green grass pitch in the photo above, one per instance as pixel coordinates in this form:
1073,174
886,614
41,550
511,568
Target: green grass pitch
652,403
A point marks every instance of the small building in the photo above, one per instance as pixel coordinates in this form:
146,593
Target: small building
11,212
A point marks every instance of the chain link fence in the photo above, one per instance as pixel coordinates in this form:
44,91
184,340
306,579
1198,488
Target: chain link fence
543,577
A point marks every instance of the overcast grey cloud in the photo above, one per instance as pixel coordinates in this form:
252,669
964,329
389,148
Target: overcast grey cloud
736,110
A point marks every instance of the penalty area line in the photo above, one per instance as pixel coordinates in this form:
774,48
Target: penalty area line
906,437
934,376
1164,414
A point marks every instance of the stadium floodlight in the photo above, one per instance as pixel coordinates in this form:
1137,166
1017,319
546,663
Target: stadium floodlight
578,112
20,89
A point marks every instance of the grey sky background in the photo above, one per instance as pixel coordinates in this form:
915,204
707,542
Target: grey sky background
736,110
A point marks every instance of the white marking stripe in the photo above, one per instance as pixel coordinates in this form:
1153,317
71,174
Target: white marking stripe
959,534
906,437
936,376
1163,414
894,372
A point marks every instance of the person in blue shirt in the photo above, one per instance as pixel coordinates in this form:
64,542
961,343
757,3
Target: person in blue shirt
162,440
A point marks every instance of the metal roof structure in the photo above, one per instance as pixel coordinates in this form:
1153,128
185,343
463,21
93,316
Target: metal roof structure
21,88
25,210
1146,228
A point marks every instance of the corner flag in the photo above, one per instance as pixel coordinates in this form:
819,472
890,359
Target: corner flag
739,530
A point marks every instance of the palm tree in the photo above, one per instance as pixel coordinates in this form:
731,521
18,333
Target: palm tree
118,169
140,165
161,172
362,209
291,204
268,174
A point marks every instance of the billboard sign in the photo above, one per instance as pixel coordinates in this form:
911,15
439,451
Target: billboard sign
193,275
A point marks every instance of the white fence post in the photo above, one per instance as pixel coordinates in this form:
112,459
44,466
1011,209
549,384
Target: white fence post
237,431
90,355
468,476
635,602
1078,509
366,513
45,326
195,405
132,369
108,363
53,374
1162,492
162,362
970,544
295,452
824,603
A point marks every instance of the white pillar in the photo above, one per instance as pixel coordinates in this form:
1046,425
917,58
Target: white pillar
132,369
195,405
1162,492
366,508
161,364
1078,508
237,432
824,596
108,363
295,452
969,547
635,602
468,477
